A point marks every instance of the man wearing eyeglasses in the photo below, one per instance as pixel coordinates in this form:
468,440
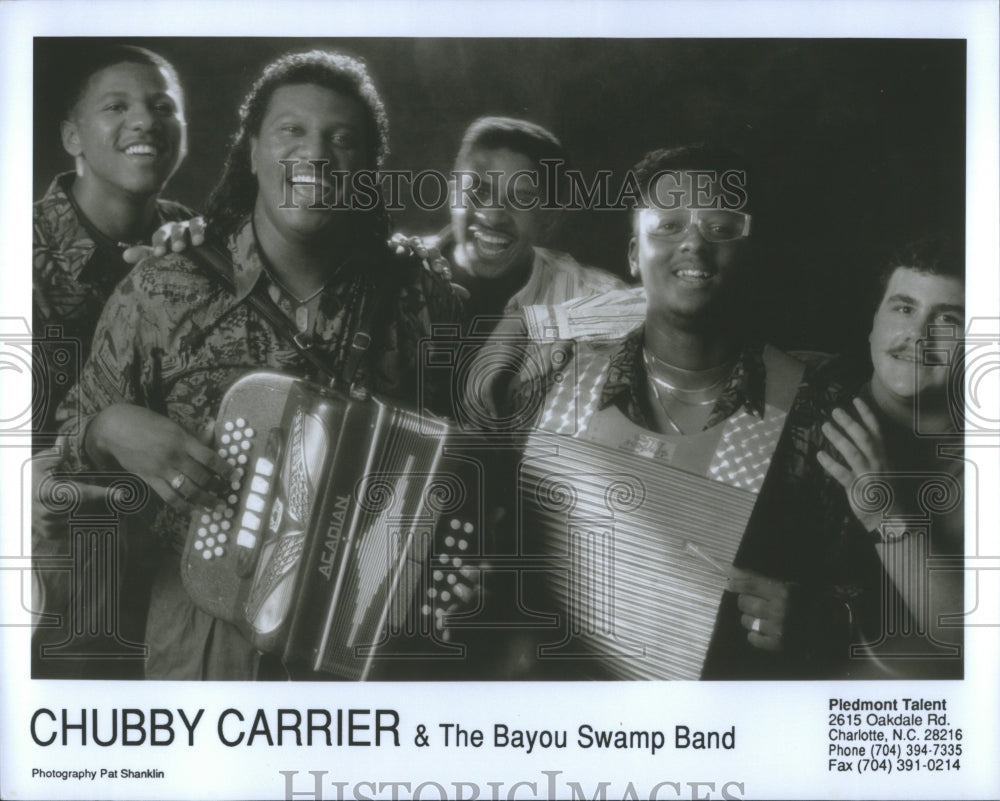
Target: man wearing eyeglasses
692,388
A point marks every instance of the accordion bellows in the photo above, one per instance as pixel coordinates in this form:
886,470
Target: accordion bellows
326,532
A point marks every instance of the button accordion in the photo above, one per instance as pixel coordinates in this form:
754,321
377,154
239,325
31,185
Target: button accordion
322,550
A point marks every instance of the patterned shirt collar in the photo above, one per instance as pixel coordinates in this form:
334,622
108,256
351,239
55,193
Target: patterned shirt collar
75,234
69,229
626,383
248,262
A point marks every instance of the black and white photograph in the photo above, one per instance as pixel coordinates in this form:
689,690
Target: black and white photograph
414,409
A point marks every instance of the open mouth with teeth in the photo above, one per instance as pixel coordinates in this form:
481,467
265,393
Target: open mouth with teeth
307,189
696,276
491,244
145,150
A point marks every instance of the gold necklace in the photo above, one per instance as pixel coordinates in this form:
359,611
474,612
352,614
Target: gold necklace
301,309
697,396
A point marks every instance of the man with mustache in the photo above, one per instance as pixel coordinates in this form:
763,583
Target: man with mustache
903,432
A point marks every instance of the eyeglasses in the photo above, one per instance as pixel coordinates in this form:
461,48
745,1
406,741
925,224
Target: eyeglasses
715,225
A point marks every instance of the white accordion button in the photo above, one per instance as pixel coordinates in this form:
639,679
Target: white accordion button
240,422
467,528
259,485
198,545
265,467
246,539
250,521
255,503
206,554
219,550
222,538
228,425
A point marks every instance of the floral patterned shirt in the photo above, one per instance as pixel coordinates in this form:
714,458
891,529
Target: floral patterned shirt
173,338
75,268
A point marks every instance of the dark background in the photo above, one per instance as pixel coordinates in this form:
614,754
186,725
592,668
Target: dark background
858,144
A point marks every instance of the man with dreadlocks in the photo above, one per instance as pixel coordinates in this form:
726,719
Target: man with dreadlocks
174,337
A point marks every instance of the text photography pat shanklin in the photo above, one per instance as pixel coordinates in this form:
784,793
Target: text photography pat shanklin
498,359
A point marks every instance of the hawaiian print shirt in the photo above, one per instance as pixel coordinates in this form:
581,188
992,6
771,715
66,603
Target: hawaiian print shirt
174,339
75,268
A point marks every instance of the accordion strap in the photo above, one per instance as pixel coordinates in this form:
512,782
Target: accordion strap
219,267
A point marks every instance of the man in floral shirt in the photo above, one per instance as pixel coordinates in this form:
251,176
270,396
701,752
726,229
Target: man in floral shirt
174,336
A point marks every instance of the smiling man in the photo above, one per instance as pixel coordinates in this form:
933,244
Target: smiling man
904,433
124,127
692,389
175,335
499,220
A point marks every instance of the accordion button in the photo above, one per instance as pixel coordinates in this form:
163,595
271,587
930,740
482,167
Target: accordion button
216,515
467,528
246,539
457,561
209,542
219,550
232,500
234,449
222,538
260,485
255,503
229,513
425,610
463,545
449,541
443,559
451,578
250,521
240,422
265,467
445,596
213,529
455,523
228,425
206,554
198,545
235,484
202,532
438,575
241,459
432,593
223,452
249,432
246,445
237,436
205,518
225,525
225,439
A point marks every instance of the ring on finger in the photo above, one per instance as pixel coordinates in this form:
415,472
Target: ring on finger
755,626
178,481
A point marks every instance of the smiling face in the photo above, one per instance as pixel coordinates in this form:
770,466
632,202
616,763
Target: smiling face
128,129
913,301
686,277
304,123
494,241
